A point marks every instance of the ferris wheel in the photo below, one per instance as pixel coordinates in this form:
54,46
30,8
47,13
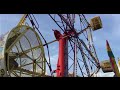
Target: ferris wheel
24,50
80,55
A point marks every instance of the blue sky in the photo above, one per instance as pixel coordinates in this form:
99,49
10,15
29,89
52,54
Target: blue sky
110,32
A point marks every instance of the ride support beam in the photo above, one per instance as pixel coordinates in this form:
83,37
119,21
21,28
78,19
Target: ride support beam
62,65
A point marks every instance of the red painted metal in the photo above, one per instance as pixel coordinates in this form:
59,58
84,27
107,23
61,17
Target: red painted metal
60,65
61,57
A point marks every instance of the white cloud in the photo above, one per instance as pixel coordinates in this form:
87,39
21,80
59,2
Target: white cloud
101,74
109,74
